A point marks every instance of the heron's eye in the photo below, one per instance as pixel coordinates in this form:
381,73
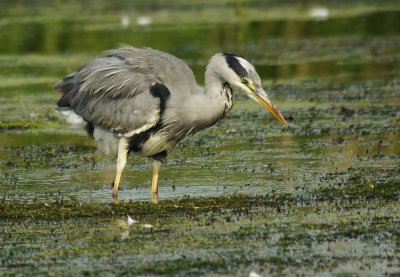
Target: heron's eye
244,81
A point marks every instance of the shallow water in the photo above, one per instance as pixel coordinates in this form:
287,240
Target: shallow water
245,195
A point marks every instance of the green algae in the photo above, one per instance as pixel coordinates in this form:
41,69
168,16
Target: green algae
4,126
223,237
71,209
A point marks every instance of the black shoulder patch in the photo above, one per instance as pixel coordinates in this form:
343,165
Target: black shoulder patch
162,92
235,64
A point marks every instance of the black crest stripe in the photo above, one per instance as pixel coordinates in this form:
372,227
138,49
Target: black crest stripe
235,65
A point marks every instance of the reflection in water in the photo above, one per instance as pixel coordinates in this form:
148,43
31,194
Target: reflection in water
131,221
123,226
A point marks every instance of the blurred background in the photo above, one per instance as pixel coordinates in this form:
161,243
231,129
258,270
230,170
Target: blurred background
42,40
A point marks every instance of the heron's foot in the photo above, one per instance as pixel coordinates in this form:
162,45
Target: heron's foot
115,197
154,198
114,194
116,201
119,132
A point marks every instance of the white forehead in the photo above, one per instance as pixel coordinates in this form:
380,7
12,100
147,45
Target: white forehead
243,62
251,71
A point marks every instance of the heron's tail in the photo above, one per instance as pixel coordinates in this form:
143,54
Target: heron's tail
68,86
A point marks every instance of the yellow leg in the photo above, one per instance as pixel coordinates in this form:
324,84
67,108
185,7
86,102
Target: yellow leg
154,180
154,198
121,162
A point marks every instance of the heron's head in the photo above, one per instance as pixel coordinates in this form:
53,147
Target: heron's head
238,72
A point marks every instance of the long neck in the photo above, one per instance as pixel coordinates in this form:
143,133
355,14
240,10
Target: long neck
203,108
217,89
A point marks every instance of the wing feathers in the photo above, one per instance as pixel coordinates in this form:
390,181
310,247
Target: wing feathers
111,93
113,90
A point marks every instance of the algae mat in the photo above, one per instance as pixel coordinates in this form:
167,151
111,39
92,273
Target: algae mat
318,198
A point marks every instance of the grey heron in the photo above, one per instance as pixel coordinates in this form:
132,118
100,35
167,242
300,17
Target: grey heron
145,101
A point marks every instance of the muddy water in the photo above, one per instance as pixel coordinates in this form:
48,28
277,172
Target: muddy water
319,197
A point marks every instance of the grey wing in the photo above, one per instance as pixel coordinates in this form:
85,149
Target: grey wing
112,93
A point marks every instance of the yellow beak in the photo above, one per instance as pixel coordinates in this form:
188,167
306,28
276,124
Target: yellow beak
262,98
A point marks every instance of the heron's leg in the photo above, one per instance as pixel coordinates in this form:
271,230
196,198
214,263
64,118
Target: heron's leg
154,180
121,162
